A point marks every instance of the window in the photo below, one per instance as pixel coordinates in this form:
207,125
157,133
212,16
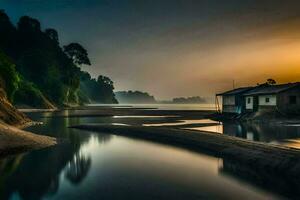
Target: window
267,99
293,99
249,100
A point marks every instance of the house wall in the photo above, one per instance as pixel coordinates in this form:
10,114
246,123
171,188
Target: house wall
284,105
228,100
233,104
262,100
264,106
230,109
249,103
229,104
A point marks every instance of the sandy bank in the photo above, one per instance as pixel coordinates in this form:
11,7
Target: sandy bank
35,110
14,140
256,155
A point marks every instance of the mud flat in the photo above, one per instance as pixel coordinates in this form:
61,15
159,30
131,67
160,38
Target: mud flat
256,155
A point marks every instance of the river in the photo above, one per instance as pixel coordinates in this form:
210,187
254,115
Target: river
88,165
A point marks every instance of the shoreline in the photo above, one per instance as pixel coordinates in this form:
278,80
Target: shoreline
14,140
257,155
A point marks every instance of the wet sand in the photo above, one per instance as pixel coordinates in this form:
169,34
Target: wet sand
14,140
257,155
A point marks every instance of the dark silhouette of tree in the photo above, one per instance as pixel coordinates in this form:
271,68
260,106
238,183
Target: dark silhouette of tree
271,81
100,90
28,24
134,97
8,37
52,34
78,168
190,100
104,80
77,53
46,70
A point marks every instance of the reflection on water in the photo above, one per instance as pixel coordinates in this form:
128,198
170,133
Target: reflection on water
77,168
101,166
288,135
143,116
184,122
215,129
202,106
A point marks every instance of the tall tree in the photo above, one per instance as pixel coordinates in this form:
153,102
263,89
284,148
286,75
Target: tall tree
28,24
77,53
52,34
8,38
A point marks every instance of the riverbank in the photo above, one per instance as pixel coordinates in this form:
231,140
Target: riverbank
14,140
257,155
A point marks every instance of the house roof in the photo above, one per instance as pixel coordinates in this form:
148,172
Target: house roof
270,89
235,91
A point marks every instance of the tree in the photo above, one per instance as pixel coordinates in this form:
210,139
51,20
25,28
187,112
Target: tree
85,76
52,34
104,80
9,78
8,38
28,24
98,90
77,53
271,81
45,68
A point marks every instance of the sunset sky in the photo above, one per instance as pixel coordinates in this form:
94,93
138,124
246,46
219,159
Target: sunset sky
173,48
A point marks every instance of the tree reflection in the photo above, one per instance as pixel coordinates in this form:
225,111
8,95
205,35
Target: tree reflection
36,175
78,168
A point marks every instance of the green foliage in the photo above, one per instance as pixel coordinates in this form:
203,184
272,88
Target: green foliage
28,94
100,90
9,75
47,70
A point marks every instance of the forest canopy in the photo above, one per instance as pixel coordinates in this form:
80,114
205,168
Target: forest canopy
134,97
34,65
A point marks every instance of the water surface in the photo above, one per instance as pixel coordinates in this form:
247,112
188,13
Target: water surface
202,106
287,135
103,166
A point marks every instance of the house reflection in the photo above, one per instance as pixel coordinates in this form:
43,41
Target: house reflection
264,132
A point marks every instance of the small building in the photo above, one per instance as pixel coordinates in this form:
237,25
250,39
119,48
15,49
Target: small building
233,101
284,98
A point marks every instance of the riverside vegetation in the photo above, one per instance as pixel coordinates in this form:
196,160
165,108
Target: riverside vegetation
36,71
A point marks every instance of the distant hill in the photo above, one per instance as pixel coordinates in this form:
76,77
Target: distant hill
189,100
135,97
